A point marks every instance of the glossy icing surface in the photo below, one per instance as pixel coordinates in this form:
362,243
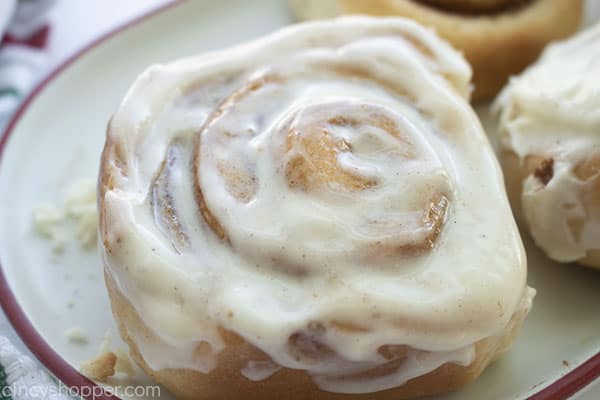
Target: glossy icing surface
326,193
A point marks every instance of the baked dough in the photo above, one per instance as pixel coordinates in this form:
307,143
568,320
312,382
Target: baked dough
224,383
308,216
496,44
549,145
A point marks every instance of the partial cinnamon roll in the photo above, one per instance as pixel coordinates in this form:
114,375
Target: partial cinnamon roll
549,136
316,214
499,38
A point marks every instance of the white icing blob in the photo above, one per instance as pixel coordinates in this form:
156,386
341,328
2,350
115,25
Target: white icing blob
552,111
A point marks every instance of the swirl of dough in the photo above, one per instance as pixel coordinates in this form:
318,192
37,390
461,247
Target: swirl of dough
332,157
310,207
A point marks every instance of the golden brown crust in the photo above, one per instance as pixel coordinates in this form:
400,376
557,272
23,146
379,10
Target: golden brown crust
111,167
226,381
591,260
497,45
100,368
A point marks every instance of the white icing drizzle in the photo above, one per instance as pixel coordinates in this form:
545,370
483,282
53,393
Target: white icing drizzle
427,256
417,363
259,370
552,111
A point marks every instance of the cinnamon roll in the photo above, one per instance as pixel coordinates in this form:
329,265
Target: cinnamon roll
499,38
549,138
316,214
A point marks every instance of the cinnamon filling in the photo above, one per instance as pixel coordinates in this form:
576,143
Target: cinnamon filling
313,155
314,163
545,171
500,7
161,197
588,168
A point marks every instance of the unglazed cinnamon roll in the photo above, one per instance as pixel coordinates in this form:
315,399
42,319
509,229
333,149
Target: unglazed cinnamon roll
549,137
316,214
499,38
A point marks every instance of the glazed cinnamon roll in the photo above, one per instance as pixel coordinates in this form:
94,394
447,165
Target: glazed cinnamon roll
316,214
549,136
499,38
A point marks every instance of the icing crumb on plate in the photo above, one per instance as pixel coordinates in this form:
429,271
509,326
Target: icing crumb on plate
77,335
76,217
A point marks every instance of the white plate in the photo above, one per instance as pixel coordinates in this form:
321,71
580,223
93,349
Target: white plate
6,11
58,137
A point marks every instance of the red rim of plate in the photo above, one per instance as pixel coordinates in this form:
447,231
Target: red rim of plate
563,388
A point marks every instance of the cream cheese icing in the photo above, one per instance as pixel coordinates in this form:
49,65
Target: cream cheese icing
552,112
208,224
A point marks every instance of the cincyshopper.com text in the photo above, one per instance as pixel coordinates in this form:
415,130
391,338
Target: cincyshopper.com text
85,392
